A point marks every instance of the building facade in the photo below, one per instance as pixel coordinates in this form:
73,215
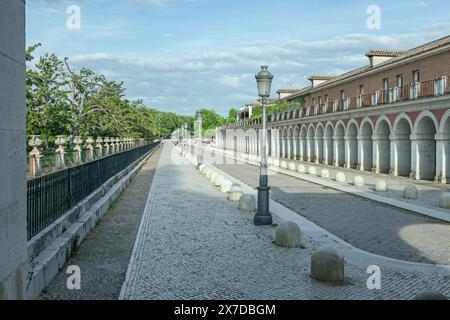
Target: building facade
391,116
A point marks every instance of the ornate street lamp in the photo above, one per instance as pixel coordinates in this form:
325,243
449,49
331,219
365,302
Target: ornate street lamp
263,217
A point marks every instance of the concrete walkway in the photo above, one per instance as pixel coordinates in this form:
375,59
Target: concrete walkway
195,244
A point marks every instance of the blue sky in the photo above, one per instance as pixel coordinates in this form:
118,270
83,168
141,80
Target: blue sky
181,55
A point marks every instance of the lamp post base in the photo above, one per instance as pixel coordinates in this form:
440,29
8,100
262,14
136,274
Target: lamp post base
263,216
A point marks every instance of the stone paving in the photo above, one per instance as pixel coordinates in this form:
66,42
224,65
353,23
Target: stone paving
366,224
195,244
104,255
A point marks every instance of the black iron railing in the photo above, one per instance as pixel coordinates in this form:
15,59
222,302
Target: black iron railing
50,196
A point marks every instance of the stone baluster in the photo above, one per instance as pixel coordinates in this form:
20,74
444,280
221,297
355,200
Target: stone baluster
99,147
35,156
106,145
78,141
90,148
60,142
117,140
113,145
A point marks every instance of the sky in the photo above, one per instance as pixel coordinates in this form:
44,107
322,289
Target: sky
182,55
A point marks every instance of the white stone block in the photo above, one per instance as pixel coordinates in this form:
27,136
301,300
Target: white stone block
340,177
301,168
218,180
247,203
208,173
411,192
292,166
225,186
201,168
324,173
312,170
213,175
276,162
327,265
381,186
288,235
235,196
270,161
358,181
444,201
283,165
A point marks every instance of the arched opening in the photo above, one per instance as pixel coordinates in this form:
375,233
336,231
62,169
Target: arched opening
402,134
328,145
366,146
383,147
340,145
311,148
426,148
352,138
297,143
285,143
290,153
319,142
269,142
303,143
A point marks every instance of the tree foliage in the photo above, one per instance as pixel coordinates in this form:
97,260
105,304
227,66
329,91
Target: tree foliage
63,101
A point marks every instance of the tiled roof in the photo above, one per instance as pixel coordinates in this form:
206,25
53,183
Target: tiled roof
320,77
384,53
288,90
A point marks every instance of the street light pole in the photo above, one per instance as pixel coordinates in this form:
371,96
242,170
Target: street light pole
263,215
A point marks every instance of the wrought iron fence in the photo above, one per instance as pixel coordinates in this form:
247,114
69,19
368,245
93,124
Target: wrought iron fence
51,195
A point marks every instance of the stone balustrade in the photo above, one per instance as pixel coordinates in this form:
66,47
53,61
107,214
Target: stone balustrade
71,151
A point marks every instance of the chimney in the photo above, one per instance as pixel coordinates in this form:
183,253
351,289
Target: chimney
317,79
379,56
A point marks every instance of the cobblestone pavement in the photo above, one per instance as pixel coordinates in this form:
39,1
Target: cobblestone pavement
366,224
195,244
104,255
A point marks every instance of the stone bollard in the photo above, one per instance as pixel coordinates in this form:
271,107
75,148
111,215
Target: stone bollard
218,180
247,203
225,186
381,186
312,170
213,176
208,172
99,147
292,166
358,181
201,167
288,235
411,192
444,201
430,295
327,265
283,165
340,177
276,162
301,168
324,173
235,193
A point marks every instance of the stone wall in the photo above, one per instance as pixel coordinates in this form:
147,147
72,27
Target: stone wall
12,138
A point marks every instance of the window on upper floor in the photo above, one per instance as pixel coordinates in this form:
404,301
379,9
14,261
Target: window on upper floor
416,75
325,99
400,85
342,95
313,101
320,101
385,85
361,90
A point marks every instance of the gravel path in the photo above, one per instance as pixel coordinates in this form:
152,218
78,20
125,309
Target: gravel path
104,255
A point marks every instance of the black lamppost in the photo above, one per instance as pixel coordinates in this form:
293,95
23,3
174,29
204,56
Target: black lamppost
263,217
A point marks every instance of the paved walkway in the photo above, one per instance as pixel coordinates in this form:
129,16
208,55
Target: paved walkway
366,224
195,244
104,255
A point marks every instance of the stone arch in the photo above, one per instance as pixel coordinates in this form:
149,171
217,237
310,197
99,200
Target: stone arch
402,130
319,143
352,144
444,131
296,143
328,144
425,130
303,143
365,138
310,143
290,143
339,144
382,145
